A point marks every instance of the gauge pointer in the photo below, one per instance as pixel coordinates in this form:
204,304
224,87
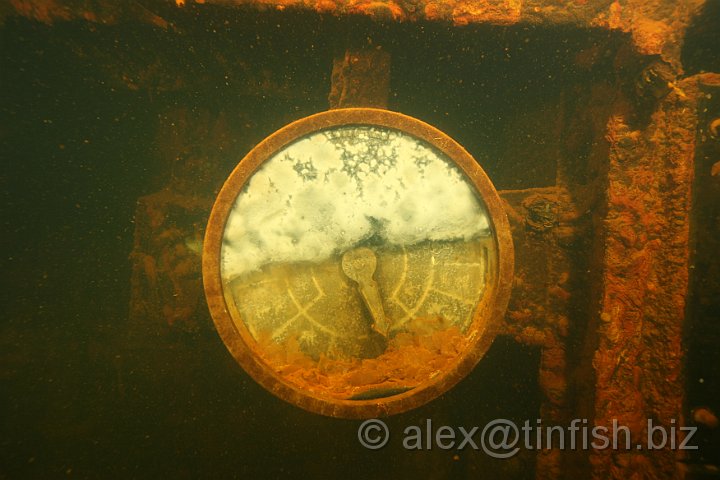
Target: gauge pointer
359,265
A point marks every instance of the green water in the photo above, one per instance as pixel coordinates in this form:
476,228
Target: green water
93,117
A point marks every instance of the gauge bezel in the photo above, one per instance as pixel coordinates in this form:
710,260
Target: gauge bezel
487,318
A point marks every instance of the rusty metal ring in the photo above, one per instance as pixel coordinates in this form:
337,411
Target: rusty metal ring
241,344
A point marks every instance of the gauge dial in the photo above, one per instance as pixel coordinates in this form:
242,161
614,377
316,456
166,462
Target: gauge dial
357,261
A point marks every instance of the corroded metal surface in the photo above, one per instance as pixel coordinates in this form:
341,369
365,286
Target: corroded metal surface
645,216
646,248
656,26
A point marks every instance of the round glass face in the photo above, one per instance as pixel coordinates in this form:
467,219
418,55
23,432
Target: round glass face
358,265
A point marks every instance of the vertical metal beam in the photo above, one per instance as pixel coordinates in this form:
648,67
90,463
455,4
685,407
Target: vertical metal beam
645,267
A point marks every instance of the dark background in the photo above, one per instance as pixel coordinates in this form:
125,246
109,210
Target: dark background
84,394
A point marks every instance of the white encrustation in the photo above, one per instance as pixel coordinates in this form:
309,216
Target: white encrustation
328,192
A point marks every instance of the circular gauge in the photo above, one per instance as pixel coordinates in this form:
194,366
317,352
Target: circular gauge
357,263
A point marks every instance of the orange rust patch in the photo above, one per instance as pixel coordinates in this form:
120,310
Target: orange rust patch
411,359
497,12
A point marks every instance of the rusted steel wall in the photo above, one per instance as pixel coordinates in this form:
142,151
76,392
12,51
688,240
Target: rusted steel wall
640,281
645,260
657,26
544,223
627,365
602,257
